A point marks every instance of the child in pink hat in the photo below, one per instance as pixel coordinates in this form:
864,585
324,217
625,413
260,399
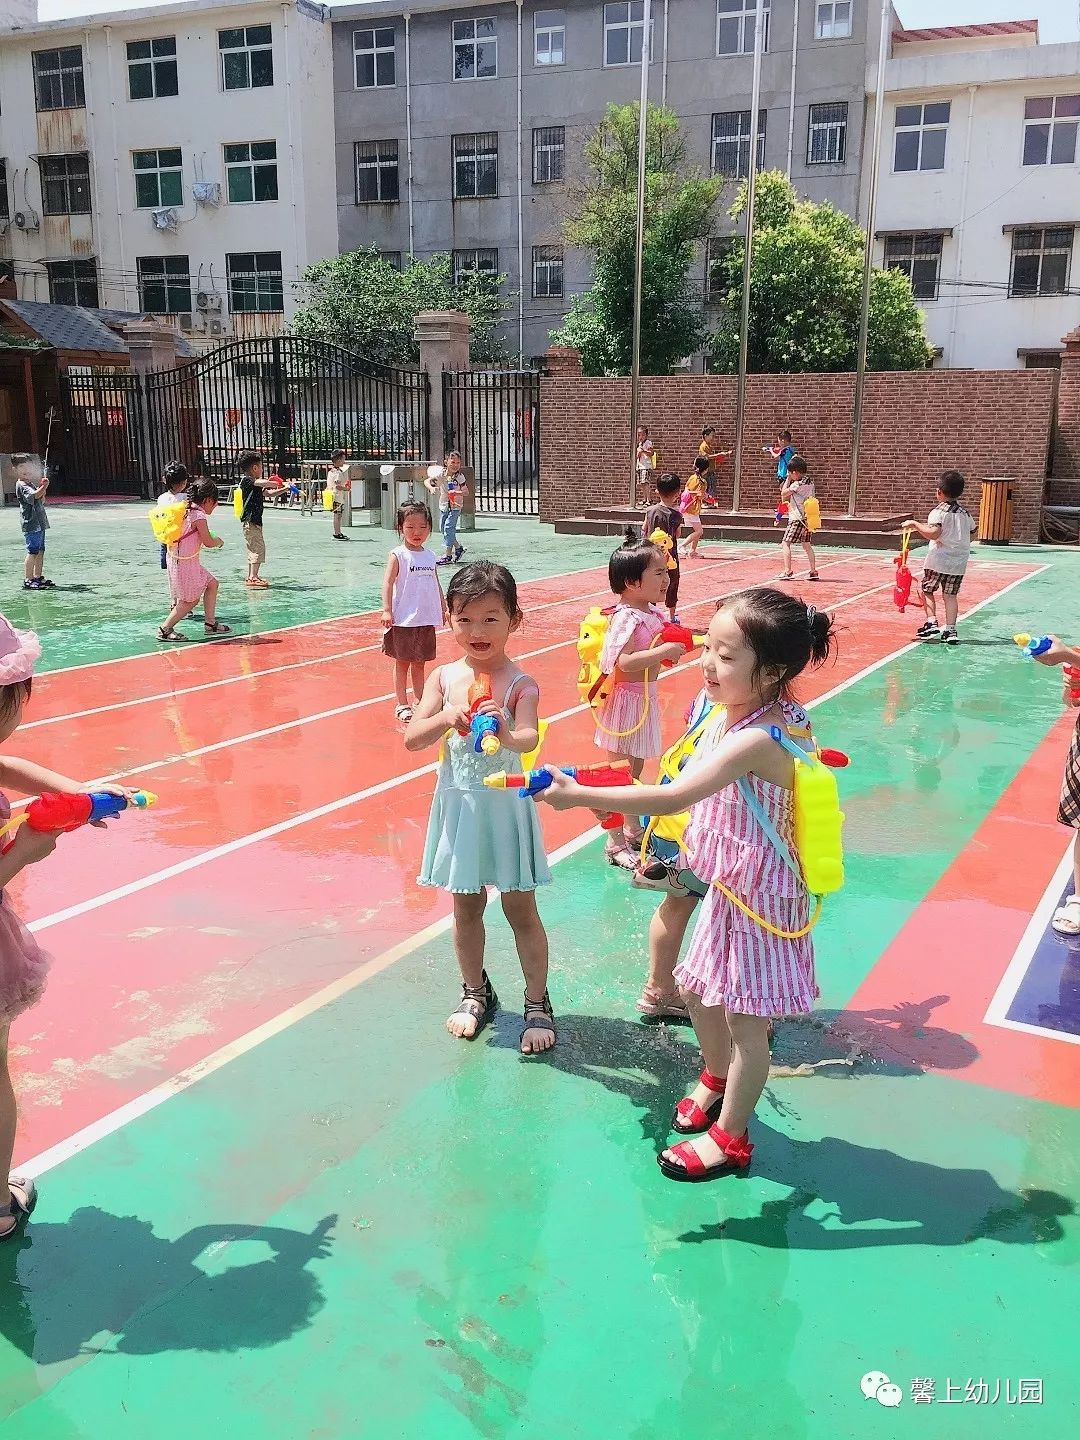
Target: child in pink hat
22,961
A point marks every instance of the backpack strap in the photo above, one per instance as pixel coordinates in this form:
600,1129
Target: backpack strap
758,810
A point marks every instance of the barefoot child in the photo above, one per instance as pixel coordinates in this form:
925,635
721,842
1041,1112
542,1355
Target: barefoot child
796,490
23,964
413,605
479,837
737,974
189,579
628,721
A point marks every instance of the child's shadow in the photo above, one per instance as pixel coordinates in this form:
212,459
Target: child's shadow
107,1282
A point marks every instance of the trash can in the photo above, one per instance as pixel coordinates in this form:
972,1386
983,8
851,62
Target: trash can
996,512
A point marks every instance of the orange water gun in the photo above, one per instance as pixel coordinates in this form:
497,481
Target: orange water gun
532,782
483,730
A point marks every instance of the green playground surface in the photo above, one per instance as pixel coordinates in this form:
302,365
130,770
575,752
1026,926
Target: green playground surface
359,1228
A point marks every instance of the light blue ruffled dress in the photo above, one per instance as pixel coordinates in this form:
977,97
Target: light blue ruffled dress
478,837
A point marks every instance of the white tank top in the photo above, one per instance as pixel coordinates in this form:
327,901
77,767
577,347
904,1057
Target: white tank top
417,600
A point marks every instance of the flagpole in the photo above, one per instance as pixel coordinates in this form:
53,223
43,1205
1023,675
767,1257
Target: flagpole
751,191
639,245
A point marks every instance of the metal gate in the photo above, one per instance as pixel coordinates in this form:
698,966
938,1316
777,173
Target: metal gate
493,418
293,400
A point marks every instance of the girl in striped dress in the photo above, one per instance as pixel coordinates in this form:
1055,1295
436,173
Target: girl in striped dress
737,975
628,721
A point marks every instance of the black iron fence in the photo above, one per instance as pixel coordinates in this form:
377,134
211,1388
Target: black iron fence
104,421
493,418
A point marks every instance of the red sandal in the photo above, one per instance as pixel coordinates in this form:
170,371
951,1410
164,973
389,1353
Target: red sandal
688,1118
737,1151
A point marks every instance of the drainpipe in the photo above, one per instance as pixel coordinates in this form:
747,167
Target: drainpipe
663,72
296,177
950,355
408,129
116,159
88,66
791,102
520,202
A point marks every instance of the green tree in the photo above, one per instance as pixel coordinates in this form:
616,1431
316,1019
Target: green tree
678,218
806,292
360,301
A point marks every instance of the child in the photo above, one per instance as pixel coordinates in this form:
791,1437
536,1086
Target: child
796,490
413,604
189,580
948,528
667,517
708,454
1066,918
476,836
644,464
23,964
252,488
691,501
447,482
337,478
737,975
628,721
175,478
31,484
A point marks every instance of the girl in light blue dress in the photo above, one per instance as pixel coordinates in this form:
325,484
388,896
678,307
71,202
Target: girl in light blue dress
479,837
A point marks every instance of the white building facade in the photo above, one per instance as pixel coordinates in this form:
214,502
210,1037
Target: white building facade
177,161
979,188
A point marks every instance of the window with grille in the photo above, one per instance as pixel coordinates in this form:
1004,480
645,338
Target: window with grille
547,272
549,37
392,258
826,140
376,172
159,179
476,166
374,59
549,151
1040,261
73,282
58,79
735,21
919,257
255,282
164,284
1050,130
152,68
919,143
833,19
624,25
247,57
65,184
484,263
731,143
251,171
718,277
476,50
5,211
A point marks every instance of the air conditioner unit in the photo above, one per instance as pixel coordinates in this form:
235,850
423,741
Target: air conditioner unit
23,221
164,219
185,320
216,327
206,192
207,300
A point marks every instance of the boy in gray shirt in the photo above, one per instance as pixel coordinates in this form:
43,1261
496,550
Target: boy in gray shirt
31,483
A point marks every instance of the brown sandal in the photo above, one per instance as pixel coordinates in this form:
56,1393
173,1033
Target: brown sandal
538,1015
478,1002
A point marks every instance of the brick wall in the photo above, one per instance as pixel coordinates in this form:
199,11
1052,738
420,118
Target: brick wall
1066,460
915,424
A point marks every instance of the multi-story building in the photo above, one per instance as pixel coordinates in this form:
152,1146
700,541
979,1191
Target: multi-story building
979,187
175,160
460,127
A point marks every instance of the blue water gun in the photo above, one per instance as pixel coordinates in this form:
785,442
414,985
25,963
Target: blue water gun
1033,645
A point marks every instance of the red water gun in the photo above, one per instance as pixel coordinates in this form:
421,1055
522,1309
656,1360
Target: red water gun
532,782
57,814
902,587
482,729
1073,674
673,634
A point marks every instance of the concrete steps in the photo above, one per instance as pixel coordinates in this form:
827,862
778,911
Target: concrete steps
870,532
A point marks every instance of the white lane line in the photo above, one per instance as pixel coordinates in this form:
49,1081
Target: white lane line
184,1079
166,695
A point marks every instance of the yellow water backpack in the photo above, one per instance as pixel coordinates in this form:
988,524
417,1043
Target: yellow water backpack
167,521
812,514
238,502
594,685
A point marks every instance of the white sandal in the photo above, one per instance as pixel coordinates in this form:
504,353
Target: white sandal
1066,919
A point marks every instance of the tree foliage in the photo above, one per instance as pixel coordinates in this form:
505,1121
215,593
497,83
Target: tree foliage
806,292
360,301
679,209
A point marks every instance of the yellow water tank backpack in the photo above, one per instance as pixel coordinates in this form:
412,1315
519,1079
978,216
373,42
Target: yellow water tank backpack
594,685
238,502
812,514
167,521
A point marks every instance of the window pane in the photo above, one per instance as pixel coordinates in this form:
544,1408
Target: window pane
140,82
230,39
365,71
165,71
146,191
168,157
1058,239
384,69
1063,150
936,114
236,70
1054,268
485,60
1040,109
262,68
259,35
138,50
730,37
924,279
906,155
264,150
1025,274
166,45
618,48
1068,105
933,150
1036,139
235,153
240,188
384,38
908,115
172,188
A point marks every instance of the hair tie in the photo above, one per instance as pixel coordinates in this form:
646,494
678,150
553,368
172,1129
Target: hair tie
811,613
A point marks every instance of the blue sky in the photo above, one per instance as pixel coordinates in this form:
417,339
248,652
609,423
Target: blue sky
1058,19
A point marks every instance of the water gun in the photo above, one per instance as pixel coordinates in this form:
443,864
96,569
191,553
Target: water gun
902,587
58,814
673,634
532,782
781,511
1073,675
662,539
1033,645
483,730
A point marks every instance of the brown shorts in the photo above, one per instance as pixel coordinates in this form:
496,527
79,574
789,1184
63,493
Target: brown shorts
1069,804
796,533
256,545
412,643
933,580
672,599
